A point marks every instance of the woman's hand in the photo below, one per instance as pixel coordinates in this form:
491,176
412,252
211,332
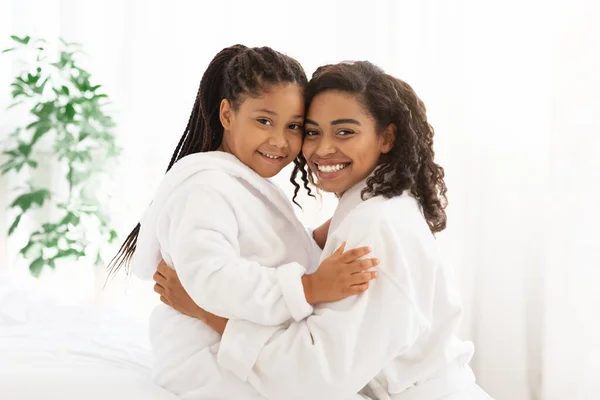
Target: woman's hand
341,275
172,293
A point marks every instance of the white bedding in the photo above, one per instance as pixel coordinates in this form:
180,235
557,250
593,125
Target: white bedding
50,351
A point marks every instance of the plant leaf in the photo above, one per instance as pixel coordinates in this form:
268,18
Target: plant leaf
15,104
43,110
99,260
39,89
12,153
23,40
39,196
25,149
69,111
25,250
14,224
34,123
23,202
7,166
18,92
49,227
68,253
70,219
68,44
41,130
36,267
9,49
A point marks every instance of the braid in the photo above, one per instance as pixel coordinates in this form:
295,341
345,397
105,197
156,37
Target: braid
235,73
177,151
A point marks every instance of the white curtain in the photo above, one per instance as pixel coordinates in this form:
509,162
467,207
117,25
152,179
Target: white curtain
512,91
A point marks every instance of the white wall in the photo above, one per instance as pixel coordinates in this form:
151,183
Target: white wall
511,89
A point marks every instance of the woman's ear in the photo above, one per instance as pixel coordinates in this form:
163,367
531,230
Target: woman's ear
225,114
388,139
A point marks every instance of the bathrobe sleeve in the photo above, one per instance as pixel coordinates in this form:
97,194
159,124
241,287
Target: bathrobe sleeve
336,351
201,235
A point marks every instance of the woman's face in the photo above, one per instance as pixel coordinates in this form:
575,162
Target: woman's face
341,144
265,133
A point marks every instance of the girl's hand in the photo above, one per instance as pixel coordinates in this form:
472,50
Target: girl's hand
341,275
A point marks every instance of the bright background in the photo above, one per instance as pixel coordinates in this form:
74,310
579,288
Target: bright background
512,89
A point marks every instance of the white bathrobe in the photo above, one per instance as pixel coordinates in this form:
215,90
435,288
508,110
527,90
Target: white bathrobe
398,338
239,251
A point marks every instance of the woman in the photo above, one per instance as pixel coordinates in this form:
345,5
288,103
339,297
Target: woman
367,139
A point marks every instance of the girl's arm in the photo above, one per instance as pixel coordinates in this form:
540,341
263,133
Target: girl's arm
204,249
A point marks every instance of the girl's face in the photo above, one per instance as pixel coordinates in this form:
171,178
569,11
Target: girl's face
265,133
341,143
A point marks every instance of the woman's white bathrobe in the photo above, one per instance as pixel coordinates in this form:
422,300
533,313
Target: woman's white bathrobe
239,251
398,337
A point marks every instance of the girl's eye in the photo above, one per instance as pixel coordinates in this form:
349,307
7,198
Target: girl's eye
264,121
311,133
345,132
295,127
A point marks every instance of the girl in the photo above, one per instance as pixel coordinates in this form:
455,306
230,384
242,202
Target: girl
239,249
368,141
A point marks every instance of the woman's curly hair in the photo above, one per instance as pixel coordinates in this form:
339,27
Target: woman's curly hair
410,164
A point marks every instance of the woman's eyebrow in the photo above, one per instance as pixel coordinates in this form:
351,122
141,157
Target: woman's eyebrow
345,121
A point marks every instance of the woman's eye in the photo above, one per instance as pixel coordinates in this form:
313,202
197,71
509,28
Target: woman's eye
264,121
344,132
295,127
311,133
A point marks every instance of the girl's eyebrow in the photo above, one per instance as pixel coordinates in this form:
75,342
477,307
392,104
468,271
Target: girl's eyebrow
265,110
271,112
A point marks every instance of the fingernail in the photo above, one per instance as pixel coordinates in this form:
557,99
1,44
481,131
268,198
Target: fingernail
376,261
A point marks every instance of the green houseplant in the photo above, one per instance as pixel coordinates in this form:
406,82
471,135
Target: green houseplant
66,120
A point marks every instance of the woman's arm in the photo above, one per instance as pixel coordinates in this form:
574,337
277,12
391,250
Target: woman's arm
339,348
327,282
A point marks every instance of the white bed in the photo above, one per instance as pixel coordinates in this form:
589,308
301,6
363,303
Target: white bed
50,351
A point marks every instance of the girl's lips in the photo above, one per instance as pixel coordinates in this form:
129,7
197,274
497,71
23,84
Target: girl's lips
272,160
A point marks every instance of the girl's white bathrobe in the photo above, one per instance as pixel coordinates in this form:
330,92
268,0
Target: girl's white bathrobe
398,337
239,251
